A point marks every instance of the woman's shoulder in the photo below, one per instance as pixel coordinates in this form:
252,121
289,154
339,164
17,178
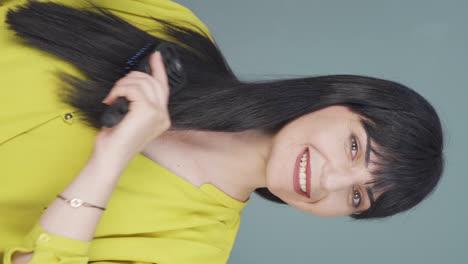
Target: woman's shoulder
139,13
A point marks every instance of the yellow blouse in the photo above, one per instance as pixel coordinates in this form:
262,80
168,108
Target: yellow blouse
153,216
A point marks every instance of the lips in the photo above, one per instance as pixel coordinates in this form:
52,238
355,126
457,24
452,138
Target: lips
296,184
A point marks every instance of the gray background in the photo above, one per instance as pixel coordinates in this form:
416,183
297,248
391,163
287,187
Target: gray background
422,44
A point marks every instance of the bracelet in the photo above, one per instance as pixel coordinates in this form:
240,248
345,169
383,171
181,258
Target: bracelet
76,202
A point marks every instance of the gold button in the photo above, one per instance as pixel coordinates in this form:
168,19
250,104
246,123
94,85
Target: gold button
44,238
68,116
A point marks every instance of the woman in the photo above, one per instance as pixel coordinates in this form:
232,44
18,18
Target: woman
368,147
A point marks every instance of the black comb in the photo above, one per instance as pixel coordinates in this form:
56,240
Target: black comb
175,75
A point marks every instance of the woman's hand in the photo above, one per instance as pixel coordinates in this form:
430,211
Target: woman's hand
147,118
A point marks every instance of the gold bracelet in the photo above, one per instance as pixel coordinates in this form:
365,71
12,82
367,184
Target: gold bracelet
76,202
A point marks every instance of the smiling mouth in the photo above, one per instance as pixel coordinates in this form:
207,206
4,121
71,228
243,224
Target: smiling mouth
299,180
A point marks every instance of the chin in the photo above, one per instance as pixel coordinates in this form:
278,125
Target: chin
279,187
276,189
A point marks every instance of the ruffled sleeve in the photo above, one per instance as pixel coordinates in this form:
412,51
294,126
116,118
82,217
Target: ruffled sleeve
49,248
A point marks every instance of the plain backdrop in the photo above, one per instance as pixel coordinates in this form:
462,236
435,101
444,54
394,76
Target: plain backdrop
422,44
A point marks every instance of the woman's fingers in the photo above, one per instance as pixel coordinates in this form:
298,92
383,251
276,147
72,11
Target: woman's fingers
138,80
146,86
159,72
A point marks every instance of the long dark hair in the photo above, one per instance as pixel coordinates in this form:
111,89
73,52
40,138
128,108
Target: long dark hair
404,125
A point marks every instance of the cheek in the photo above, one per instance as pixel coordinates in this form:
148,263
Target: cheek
276,180
325,133
279,170
327,207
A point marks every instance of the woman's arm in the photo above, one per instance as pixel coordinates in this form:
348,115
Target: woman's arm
114,148
94,184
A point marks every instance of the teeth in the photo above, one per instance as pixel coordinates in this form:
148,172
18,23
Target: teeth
302,174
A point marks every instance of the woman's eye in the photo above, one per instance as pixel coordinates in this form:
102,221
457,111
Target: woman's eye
356,198
354,146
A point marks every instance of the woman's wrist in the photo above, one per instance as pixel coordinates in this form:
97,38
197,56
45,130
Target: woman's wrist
111,159
95,185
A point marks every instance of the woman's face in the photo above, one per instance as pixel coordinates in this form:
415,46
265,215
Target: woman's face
336,143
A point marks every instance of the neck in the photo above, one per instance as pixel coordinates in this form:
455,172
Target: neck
234,162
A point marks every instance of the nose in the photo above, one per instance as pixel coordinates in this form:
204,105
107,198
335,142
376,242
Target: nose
339,177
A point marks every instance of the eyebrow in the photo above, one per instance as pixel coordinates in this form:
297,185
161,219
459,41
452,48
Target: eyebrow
369,191
371,197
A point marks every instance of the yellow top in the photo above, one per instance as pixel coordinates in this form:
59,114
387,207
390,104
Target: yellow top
153,216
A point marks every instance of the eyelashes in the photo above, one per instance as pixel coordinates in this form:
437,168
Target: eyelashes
354,146
357,198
